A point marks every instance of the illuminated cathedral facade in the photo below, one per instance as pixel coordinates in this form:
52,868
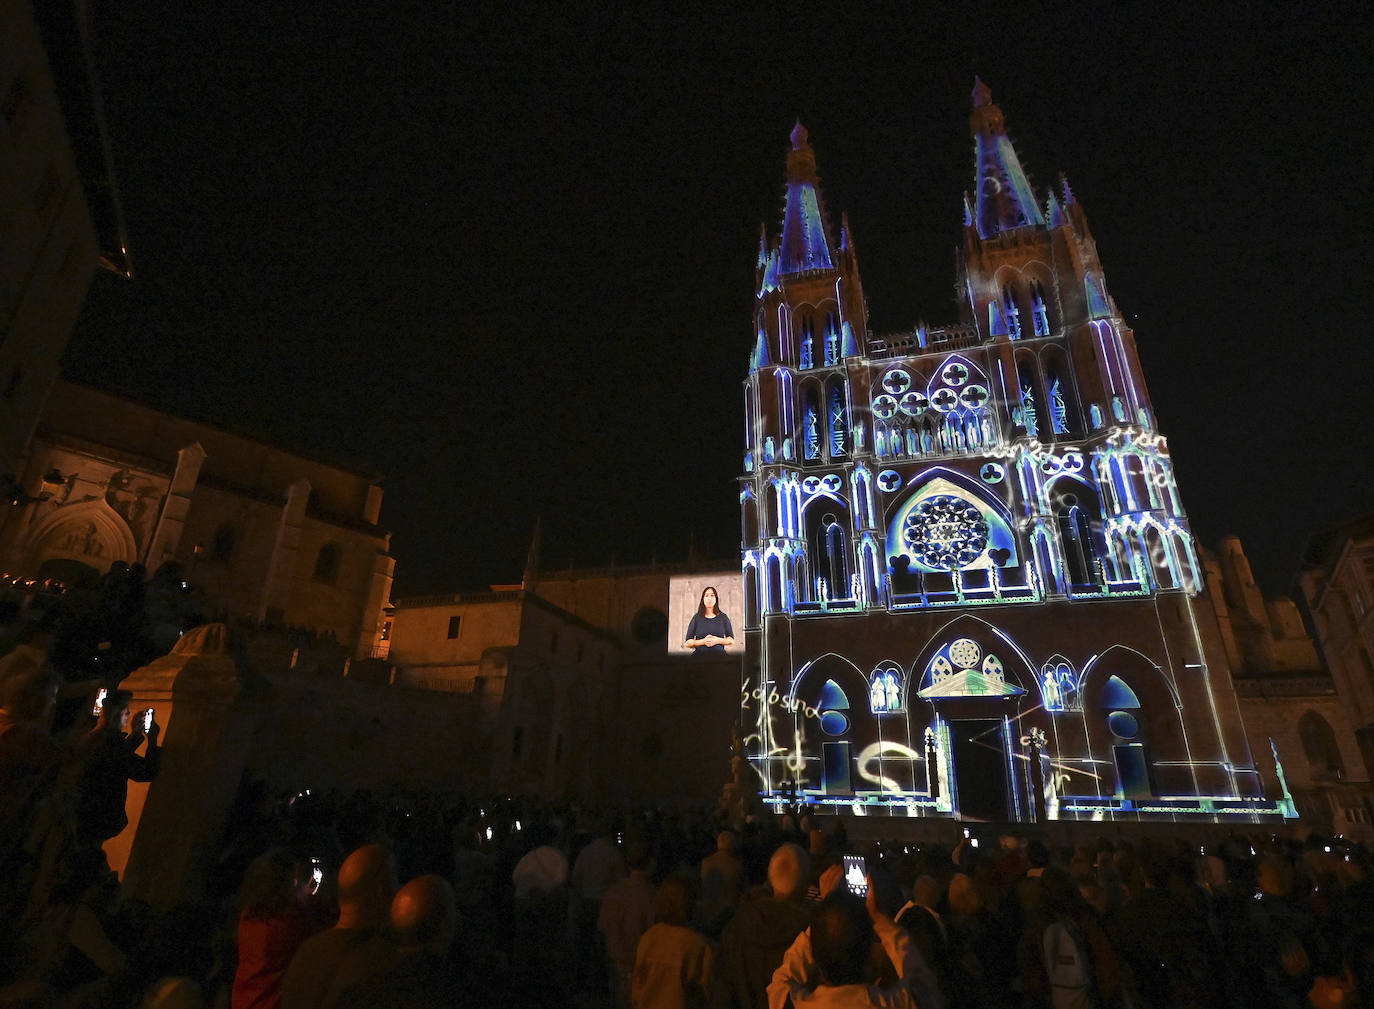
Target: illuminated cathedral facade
970,585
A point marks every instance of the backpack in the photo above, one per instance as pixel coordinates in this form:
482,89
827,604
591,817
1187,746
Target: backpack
1068,967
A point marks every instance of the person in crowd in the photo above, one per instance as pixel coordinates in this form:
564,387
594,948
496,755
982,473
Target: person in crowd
709,630
540,879
329,961
1080,964
29,759
832,962
273,924
754,941
925,925
76,954
722,883
109,760
598,865
627,912
673,962
28,754
424,922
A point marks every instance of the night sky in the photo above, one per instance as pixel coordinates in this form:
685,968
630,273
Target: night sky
506,259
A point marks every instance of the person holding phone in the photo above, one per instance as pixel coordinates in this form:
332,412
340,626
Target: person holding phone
830,964
109,760
709,630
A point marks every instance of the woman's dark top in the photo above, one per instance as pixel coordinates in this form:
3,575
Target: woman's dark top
719,625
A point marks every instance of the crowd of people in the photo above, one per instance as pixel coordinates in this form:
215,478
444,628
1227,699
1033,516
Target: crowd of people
361,899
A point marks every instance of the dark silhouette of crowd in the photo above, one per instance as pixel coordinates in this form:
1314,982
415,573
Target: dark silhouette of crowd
360,899
323,898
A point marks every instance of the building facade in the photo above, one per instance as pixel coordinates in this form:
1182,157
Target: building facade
48,241
970,585
267,536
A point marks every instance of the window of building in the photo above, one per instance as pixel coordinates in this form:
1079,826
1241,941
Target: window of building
649,626
553,642
327,563
558,748
1013,313
222,548
12,386
517,741
1319,745
453,624
579,651
1041,316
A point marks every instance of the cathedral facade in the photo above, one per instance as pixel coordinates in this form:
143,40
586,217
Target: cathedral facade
971,589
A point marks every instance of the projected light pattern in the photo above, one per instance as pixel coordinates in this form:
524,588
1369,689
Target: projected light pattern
945,532
986,541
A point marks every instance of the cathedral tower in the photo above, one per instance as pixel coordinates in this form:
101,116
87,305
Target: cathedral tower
970,585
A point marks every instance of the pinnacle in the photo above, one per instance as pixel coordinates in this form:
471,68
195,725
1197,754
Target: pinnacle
982,94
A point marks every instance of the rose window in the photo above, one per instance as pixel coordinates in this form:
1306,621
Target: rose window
945,532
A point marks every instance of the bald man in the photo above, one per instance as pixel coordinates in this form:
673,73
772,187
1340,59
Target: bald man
331,960
424,922
756,938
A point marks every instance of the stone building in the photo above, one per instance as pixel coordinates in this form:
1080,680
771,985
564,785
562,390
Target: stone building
1336,731
266,535
970,585
50,239
581,684
1289,700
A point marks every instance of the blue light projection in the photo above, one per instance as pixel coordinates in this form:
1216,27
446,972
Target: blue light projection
894,585
885,690
1118,694
961,669
803,234
945,532
838,423
1027,416
942,528
1059,411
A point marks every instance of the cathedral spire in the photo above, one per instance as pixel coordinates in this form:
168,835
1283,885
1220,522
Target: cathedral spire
1005,198
805,244
530,579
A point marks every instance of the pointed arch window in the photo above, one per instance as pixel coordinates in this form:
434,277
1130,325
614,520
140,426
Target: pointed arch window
1079,556
808,335
1013,314
832,560
832,340
1319,745
885,689
1030,414
1039,315
327,563
839,421
811,426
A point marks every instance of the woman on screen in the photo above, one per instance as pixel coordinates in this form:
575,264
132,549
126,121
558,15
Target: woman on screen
709,630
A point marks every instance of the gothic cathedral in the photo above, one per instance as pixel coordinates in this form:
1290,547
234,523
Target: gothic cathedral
970,585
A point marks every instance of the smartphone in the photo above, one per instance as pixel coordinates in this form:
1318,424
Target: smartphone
316,875
966,832
147,720
856,875
99,702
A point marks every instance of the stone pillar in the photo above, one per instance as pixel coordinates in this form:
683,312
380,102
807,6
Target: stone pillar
276,591
172,522
176,821
378,598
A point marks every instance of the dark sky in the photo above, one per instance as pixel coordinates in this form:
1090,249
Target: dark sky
506,259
